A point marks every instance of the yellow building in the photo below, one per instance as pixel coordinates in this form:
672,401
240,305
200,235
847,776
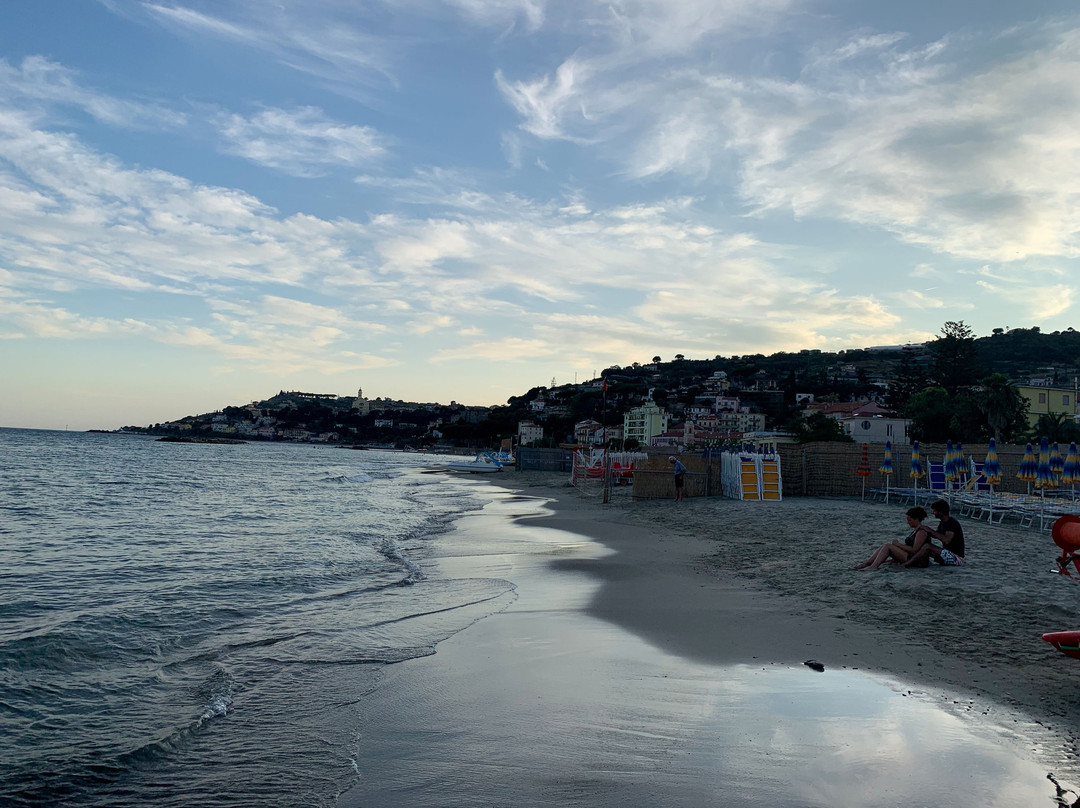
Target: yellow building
1048,401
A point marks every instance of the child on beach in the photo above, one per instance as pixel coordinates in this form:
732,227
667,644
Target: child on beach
949,533
901,551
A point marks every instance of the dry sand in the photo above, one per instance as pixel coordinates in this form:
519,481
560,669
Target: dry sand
781,577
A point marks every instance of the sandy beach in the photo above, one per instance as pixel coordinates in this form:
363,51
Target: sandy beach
655,653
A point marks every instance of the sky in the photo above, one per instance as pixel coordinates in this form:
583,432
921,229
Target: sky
203,202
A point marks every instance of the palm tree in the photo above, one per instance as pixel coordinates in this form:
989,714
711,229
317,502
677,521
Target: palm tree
1001,403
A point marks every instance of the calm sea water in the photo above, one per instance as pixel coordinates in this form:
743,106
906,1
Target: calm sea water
192,624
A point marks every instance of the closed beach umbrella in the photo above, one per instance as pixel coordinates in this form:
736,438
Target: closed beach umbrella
863,469
917,469
1044,475
1029,467
1070,471
950,462
1057,464
960,463
992,467
992,473
886,468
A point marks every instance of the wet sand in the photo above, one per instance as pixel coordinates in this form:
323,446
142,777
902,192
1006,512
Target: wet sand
654,655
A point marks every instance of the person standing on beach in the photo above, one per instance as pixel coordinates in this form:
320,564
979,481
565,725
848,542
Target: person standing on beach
949,533
680,474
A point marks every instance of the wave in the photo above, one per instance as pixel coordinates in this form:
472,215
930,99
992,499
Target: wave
390,549
359,477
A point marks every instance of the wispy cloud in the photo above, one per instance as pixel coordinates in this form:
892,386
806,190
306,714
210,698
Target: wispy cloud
304,141
40,80
324,39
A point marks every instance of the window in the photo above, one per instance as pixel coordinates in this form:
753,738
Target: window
1042,398
1065,400
888,430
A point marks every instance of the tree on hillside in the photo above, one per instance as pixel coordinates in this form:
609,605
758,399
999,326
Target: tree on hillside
1056,427
1003,406
817,426
954,357
931,413
908,378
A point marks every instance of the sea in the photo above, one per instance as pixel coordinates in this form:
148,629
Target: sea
194,624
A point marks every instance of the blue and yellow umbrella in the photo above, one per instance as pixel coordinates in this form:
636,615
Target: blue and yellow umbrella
886,468
917,469
1057,464
1070,470
1044,474
1029,467
949,463
992,467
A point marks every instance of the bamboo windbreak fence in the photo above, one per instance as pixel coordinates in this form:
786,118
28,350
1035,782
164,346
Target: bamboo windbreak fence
829,469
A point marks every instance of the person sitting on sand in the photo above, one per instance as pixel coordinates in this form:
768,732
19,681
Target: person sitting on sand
901,551
948,532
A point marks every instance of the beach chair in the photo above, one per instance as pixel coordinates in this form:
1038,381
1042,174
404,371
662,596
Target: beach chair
935,479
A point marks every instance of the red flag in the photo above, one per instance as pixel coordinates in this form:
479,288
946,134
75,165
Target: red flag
605,385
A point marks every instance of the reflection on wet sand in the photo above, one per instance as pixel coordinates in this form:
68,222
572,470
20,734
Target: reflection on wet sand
547,704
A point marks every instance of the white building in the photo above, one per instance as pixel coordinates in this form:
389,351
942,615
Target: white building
877,429
644,423
529,433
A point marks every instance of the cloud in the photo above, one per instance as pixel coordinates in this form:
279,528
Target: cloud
326,40
303,142
40,80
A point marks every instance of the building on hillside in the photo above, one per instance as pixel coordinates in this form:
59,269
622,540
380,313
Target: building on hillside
839,410
644,422
529,433
878,429
671,439
1048,401
605,435
766,442
738,422
361,404
583,431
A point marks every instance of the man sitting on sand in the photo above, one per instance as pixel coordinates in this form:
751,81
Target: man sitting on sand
948,532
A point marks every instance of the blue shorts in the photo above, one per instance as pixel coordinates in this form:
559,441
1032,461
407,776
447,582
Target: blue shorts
951,559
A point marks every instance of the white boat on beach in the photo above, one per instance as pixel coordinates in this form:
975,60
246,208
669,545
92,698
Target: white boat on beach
483,463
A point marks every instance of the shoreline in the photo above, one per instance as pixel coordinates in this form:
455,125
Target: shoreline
631,670
779,574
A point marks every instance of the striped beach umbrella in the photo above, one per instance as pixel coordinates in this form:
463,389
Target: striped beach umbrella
1070,470
960,463
1029,467
886,468
949,462
992,467
992,473
917,469
1044,475
863,469
1057,463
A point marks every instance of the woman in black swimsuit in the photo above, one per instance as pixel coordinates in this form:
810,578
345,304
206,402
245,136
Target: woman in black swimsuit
900,551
